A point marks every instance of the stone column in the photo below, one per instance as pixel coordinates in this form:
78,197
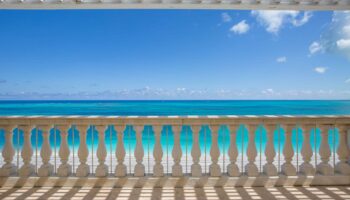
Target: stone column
158,169
8,152
251,168
177,152
120,169
288,168
214,168
306,167
196,168
64,169
27,168
102,168
343,152
269,168
46,169
324,167
83,152
139,167
232,168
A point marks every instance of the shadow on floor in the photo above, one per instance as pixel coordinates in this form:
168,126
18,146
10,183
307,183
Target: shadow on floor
167,193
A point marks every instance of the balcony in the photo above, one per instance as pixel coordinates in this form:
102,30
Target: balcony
175,151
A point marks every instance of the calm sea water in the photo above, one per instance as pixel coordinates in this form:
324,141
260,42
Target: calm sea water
241,107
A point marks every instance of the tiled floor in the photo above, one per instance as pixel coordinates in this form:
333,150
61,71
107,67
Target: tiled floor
270,193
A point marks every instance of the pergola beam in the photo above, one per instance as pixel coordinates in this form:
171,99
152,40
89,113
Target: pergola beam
174,4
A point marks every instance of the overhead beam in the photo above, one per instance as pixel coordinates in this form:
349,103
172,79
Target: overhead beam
176,4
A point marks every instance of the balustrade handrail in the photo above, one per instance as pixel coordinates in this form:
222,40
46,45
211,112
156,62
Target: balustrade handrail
177,120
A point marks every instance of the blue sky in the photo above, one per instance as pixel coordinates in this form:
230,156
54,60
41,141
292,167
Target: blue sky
174,54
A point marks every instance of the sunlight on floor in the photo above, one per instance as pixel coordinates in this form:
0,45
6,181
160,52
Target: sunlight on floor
169,193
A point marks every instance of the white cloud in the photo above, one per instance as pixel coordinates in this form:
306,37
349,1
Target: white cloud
315,47
274,20
347,80
321,70
336,37
226,17
282,59
240,28
268,91
343,44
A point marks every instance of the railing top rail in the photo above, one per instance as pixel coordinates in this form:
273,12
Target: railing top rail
176,120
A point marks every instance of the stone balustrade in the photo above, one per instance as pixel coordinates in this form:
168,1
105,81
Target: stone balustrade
329,158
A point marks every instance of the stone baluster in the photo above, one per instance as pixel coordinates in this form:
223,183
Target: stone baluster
64,169
46,169
102,168
306,167
8,152
120,169
288,168
343,152
139,167
27,168
270,153
324,167
158,169
177,153
83,152
251,168
232,168
196,168
214,168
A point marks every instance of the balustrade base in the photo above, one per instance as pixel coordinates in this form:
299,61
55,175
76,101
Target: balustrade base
270,170
325,169
101,170
26,170
233,170
45,170
168,181
307,169
288,169
120,170
177,170
83,170
8,169
196,170
64,170
251,170
343,168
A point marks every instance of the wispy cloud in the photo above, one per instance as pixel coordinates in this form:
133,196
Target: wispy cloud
281,59
336,37
321,70
225,17
241,27
347,80
274,20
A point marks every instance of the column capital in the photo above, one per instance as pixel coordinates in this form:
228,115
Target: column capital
45,128
288,127
157,128
82,128
139,128
270,128
196,128
252,127
214,128
26,128
9,128
342,128
233,127
64,127
119,128
307,127
101,128
176,128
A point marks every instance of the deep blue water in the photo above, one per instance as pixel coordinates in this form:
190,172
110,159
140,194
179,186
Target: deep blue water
239,107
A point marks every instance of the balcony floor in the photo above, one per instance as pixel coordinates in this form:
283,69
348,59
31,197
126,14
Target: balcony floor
124,193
